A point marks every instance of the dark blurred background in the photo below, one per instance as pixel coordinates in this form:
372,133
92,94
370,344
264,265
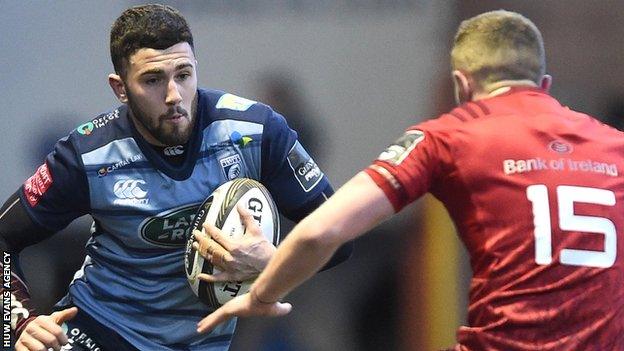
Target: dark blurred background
349,75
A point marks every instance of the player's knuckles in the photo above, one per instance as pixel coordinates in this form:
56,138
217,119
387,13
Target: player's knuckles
60,336
50,325
237,250
201,239
196,246
213,260
45,338
33,329
229,260
220,239
198,235
211,230
49,340
31,344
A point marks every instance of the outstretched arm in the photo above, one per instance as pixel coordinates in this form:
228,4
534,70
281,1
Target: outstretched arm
17,231
355,208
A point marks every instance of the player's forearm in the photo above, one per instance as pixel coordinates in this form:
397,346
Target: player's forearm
21,310
17,231
299,257
357,207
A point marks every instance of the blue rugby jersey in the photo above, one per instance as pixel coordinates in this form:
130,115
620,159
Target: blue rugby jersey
133,279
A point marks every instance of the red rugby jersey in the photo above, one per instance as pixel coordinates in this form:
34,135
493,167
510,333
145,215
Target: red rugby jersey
537,195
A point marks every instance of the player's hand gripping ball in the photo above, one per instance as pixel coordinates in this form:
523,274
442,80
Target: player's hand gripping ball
219,209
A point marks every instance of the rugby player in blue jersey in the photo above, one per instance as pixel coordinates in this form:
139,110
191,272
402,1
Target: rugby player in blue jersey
141,170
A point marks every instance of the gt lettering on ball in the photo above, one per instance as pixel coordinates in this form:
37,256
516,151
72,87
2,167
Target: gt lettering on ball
255,206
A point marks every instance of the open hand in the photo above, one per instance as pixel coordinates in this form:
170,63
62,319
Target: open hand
44,332
238,260
245,305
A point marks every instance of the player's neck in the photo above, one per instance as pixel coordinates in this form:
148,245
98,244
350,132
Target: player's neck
502,87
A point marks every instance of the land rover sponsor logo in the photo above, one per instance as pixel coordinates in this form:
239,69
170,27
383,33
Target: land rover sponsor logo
400,149
169,228
306,171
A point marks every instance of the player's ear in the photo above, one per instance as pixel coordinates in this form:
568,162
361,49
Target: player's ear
463,90
118,86
546,82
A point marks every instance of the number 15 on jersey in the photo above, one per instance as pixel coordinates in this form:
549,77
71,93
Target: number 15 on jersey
568,221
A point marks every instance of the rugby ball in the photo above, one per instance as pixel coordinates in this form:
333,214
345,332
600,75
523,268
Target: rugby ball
220,210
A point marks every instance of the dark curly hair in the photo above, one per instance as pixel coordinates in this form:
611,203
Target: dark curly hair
152,26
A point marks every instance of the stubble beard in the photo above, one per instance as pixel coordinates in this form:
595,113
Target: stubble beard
169,134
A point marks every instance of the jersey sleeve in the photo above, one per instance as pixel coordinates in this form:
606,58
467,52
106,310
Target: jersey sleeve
408,167
295,181
58,191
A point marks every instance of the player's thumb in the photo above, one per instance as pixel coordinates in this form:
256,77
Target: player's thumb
62,316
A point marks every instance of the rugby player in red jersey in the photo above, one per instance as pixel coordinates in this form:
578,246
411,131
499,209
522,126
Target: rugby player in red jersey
533,187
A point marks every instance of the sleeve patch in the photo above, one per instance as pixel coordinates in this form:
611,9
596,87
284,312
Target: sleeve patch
233,102
401,148
37,184
387,176
306,171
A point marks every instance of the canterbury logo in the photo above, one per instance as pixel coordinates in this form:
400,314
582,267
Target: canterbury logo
129,189
174,150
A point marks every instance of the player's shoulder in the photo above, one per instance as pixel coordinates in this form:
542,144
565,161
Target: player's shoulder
590,125
101,130
220,106
464,122
487,115
452,120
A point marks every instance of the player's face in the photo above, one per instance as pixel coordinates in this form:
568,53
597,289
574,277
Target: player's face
161,88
